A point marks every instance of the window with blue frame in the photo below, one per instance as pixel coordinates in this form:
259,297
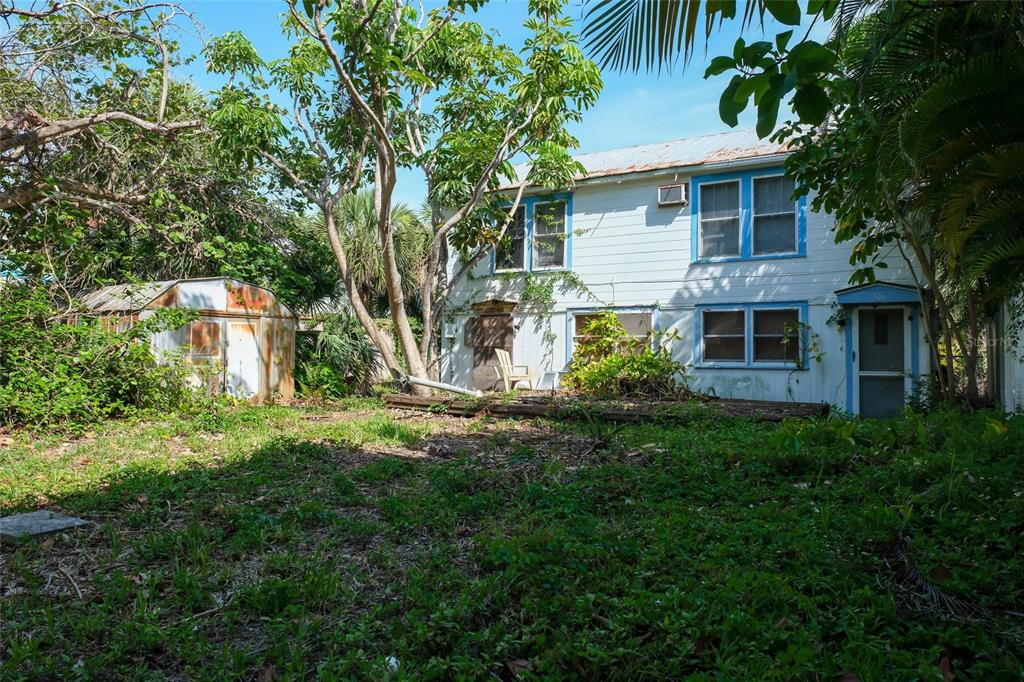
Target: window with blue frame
549,235
538,238
510,253
747,215
751,335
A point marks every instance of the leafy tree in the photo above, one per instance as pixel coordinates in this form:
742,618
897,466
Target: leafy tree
635,34
109,175
932,166
85,90
373,87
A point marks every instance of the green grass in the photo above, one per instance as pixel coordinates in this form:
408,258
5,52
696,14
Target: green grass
278,543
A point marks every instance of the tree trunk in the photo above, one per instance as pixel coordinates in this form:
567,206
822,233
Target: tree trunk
358,307
950,330
383,189
971,352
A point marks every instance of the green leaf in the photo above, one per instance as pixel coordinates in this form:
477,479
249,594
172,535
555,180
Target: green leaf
753,53
827,8
767,114
785,11
720,65
782,39
811,103
737,49
728,108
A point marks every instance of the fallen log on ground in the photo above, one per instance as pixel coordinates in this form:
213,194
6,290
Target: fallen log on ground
760,410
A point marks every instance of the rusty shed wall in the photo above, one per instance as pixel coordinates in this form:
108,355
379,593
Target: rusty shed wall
225,301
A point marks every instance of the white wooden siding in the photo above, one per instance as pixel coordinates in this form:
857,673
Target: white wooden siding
630,252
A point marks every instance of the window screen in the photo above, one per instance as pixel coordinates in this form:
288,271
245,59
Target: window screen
204,340
776,337
720,219
724,335
508,254
774,215
549,235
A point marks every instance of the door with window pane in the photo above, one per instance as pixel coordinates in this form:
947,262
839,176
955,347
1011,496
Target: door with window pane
880,363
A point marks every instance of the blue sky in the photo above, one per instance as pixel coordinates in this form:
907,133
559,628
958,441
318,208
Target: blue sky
633,108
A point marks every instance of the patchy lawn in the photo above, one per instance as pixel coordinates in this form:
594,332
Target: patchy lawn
279,543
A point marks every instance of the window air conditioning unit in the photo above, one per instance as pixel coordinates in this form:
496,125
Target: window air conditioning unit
674,195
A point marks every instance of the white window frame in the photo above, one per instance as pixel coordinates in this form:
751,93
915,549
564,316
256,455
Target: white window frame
754,216
526,243
704,335
754,335
701,220
532,235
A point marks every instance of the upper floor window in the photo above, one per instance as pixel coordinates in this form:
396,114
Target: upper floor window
549,235
749,214
538,238
510,253
774,221
720,219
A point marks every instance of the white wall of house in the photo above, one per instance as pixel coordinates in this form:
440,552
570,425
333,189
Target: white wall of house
632,254
1012,382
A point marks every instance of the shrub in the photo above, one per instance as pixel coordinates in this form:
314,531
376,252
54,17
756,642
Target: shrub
56,371
337,361
609,363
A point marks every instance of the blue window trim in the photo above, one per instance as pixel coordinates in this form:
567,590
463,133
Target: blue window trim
528,204
746,180
748,336
571,313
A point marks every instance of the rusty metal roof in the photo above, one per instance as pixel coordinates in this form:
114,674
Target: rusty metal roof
125,297
733,145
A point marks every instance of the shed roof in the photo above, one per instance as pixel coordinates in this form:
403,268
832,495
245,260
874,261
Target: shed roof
118,298
130,298
732,145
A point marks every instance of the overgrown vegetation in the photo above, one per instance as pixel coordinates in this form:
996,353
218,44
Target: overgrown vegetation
610,363
295,544
60,370
336,361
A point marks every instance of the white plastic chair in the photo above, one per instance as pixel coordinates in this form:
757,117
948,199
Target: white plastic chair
508,373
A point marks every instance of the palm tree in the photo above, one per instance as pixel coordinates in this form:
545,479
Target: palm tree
630,35
356,218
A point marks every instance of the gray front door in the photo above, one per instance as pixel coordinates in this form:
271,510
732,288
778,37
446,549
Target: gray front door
880,361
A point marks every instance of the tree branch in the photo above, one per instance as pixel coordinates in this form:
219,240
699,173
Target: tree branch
60,129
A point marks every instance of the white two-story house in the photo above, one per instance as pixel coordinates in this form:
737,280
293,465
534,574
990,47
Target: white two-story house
699,241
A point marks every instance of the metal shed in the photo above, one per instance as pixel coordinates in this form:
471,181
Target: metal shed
244,334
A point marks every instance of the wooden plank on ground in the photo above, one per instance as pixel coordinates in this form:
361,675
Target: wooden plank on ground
678,412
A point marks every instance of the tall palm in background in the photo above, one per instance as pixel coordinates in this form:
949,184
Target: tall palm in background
356,218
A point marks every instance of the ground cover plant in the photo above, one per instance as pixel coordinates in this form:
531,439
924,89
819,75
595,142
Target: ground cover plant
283,543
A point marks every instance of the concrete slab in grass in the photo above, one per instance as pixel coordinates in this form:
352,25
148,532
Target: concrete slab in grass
39,522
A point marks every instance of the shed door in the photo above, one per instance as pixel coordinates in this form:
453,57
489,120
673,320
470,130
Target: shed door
243,365
880,350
